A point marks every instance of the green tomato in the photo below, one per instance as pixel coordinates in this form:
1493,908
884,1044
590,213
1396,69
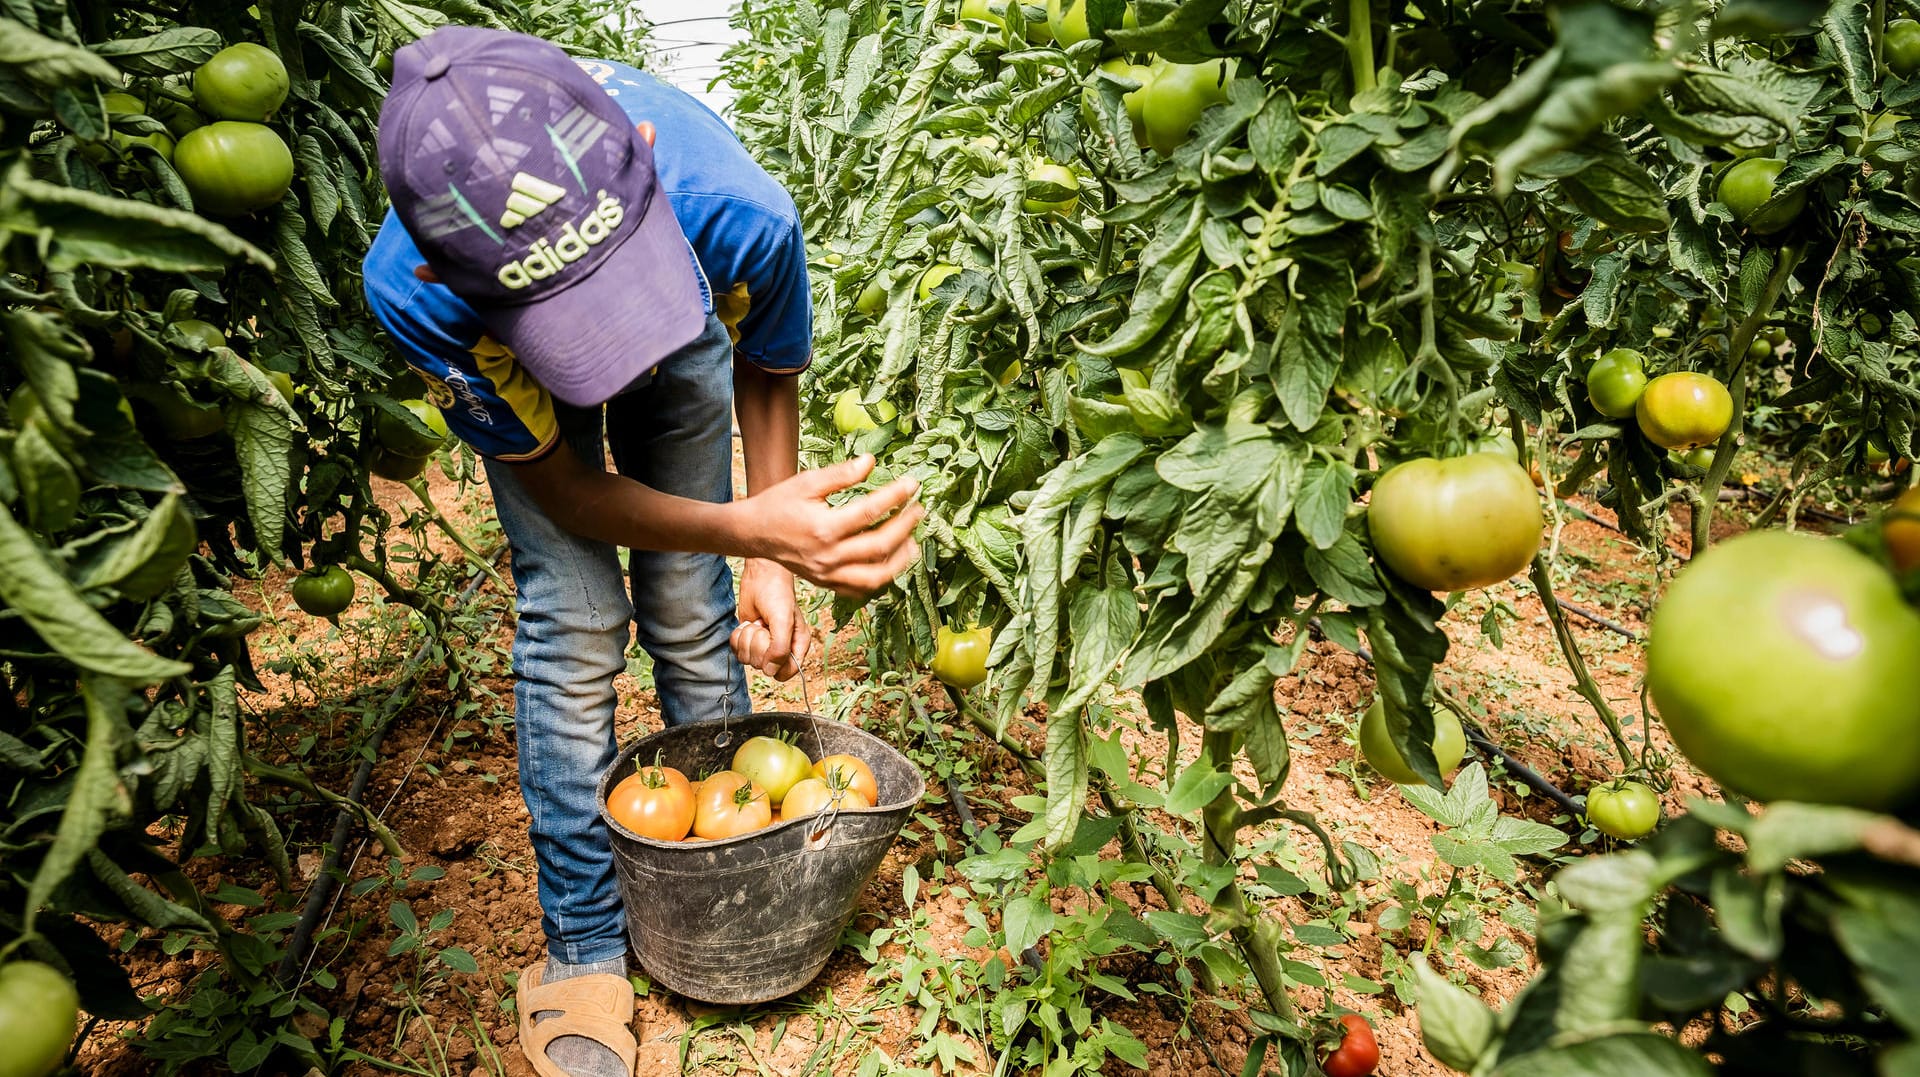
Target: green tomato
933,277
206,334
241,82
1522,274
773,765
323,591
1684,410
1175,99
1759,348
1783,666
872,300
1901,46
994,14
1747,187
234,168
1448,525
960,658
1623,809
1701,458
120,104
1046,173
1776,335
282,382
1134,100
1615,382
1067,21
181,417
397,436
1377,748
39,1014
398,467
850,416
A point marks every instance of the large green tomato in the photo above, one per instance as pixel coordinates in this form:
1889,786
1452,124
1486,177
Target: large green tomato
1784,666
872,300
1376,745
1622,809
181,417
1684,410
234,168
323,592
850,416
994,14
1134,100
1615,382
206,334
1176,97
960,658
39,1013
1448,525
397,466
1747,186
933,277
1046,173
241,82
1067,21
1902,47
403,439
773,765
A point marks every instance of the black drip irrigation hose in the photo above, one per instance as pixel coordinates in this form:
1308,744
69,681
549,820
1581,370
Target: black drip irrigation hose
1031,955
1529,777
327,877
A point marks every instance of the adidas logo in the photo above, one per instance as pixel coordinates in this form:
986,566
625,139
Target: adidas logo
554,253
531,196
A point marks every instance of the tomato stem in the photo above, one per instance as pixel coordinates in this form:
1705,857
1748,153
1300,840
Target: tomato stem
1360,44
1743,335
1542,578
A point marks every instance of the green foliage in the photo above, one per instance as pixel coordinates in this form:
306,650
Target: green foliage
144,468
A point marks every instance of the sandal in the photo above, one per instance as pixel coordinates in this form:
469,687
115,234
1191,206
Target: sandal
598,1006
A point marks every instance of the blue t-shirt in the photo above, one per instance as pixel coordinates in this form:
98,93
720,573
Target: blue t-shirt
742,226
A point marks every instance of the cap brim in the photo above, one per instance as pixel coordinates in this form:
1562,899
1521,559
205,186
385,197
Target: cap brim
640,304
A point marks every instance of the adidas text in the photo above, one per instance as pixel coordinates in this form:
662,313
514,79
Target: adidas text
548,257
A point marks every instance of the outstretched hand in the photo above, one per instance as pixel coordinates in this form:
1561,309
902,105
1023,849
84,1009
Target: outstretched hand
852,549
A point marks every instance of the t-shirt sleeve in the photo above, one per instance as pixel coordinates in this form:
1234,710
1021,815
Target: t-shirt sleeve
776,333
489,400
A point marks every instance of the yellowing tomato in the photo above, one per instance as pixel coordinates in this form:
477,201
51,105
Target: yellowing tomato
1377,748
772,764
729,805
1448,525
960,658
1684,410
848,772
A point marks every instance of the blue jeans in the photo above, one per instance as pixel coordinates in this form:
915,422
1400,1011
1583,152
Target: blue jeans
672,432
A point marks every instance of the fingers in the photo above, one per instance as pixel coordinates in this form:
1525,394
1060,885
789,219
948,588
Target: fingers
835,477
754,644
864,512
779,621
750,643
802,645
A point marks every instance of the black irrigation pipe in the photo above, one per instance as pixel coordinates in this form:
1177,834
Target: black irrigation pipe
326,878
1527,775
1031,955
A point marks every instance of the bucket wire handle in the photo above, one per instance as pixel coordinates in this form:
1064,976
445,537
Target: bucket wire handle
725,737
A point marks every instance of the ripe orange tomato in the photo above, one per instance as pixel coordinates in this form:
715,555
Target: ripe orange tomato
653,802
811,796
1902,530
850,773
728,806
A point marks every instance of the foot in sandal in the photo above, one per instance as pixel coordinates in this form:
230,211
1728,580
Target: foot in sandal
577,1020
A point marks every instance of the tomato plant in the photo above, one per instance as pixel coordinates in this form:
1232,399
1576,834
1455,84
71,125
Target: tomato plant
39,1013
654,802
728,805
1058,189
851,773
1448,525
1623,809
1902,44
772,764
421,431
1782,665
1358,1051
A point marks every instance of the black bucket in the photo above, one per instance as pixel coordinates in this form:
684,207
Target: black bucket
754,918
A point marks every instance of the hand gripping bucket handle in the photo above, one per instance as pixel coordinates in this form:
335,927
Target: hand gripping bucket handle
754,918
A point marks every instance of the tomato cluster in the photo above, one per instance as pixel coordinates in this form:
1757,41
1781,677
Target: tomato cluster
404,449
236,164
769,780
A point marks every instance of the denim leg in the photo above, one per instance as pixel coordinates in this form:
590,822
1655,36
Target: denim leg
568,645
675,435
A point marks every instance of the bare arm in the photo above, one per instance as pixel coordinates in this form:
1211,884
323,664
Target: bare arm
772,636
789,523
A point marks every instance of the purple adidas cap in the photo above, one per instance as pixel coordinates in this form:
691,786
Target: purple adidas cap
532,197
